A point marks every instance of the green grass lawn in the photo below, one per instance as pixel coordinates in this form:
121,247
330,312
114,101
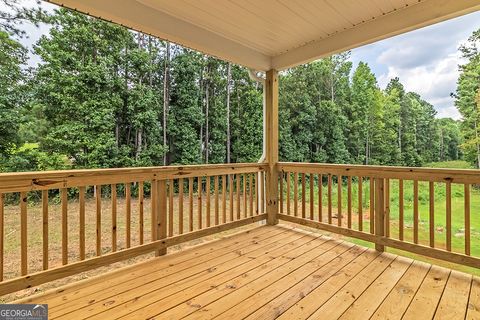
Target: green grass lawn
458,221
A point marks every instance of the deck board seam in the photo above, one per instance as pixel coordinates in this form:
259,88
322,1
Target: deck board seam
416,291
371,283
313,239
100,278
345,284
352,258
469,296
391,290
248,244
279,266
443,291
286,275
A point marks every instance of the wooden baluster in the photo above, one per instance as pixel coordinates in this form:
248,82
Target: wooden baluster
312,198
217,220
288,192
207,195
329,198
200,203
379,211
262,192
281,191
231,190
224,199
400,209
255,193
349,202
245,214
387,207
140,211
448,215
237,177
372,205
320,198
251,188
415,211
303,195
154,204
23,233
467,218
128,214
64,195
170,207
2,234
44,228
114,217
98,225
295,194
81,200
161,214
180,205
339,198
190,204
432,213
360,203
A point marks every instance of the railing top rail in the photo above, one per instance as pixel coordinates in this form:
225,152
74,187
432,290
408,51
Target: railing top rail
41,180
409,173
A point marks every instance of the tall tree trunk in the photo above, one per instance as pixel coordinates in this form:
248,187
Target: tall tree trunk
166,98
138,131
475,114
229,79
400,137
477,143
207,106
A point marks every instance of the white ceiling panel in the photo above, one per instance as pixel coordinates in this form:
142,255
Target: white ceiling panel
273,33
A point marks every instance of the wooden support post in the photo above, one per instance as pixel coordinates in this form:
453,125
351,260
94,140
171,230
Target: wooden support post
162,214
379,211
271,142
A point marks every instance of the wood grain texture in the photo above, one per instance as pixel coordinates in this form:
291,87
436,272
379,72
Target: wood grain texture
303,276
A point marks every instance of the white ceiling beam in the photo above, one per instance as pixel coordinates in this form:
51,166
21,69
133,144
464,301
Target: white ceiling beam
137,16
410,18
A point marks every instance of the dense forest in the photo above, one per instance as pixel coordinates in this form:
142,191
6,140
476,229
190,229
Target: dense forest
104,96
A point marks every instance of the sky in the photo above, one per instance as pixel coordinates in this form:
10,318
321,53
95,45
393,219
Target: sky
426,60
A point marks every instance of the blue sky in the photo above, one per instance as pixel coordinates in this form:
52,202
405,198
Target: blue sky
425,60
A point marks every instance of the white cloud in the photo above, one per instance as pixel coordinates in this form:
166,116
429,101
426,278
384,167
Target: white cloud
425,60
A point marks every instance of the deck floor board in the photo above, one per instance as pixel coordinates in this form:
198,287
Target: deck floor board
271,272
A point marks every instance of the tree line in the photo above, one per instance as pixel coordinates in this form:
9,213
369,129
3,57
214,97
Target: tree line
104,96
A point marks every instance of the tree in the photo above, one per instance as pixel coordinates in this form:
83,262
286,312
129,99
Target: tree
12,57
15,15
365,115
466,98
185,116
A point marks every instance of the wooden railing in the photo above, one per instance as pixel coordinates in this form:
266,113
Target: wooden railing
60,223
420,210
57,224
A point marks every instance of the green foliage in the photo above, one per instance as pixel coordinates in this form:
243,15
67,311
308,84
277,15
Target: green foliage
467,98
12,56
97,100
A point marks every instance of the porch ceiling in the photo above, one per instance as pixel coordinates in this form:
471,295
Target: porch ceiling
273,34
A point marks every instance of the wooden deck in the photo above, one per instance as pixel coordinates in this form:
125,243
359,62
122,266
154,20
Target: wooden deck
272,272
